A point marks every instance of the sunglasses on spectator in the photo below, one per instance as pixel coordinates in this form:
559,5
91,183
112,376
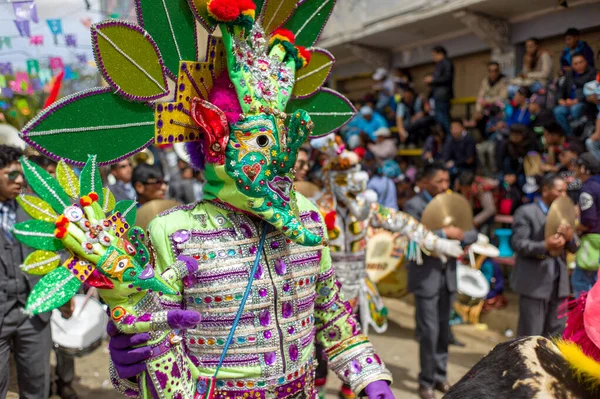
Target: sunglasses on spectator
154,182
14,175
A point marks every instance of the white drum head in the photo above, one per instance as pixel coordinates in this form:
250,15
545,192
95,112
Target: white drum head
472,282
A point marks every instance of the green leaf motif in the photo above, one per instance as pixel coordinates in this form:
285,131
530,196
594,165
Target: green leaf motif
109,202
308,21
200,9
37,234
93,121
37,208
45,186
312,77
90,179
328,109
276,12
129,60
136,238
52,291
171,24
128,210
40,262
67,179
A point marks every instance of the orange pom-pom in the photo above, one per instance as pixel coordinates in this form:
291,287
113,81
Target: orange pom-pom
93,196
304,54
85,201
285,35
60,232
61,221
223,10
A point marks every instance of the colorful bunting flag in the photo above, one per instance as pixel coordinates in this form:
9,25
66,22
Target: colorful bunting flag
25,11
45,75
7,92
2,81
5,41
71,40
33,67
82,58
21,83
37,40
55,26
6,68
23,27
56,63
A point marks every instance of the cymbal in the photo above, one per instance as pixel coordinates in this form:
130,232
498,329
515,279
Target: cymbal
448,209
306,188
150,210
562,211
533,165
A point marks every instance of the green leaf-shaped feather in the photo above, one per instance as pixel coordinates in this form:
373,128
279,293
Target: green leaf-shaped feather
90,179
37,208
276,12
128,210
93,121
52,291
45,185
308,21
328,109
40,262
109,202
313,76
68,179
37,234
129,60
171,24
200,10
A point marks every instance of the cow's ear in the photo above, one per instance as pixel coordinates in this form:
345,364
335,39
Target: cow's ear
215,129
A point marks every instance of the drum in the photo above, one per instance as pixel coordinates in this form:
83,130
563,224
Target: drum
386,262
83,332
472,287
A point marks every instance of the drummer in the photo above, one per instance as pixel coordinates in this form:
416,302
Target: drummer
434,284
540,276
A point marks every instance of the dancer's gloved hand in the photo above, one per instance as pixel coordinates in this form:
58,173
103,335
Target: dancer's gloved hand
379,390
128,360
448,248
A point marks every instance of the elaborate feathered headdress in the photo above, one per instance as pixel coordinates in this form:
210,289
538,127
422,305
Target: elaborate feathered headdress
244,100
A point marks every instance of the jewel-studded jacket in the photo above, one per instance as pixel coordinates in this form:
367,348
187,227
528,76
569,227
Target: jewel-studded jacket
294,300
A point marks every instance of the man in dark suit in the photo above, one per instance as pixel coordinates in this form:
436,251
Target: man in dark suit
434,283
540,276
122,189
442,86
28,338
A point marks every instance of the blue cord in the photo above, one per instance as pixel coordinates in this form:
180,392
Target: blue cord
245,297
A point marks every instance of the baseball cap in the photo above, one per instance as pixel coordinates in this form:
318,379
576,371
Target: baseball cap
364,111
590,162
380,73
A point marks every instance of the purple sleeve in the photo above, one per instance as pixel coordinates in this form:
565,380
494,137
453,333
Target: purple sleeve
589,213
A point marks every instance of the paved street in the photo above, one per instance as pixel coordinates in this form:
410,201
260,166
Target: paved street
397,347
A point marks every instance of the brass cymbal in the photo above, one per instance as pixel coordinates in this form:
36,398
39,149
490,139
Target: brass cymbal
448,209
150,210
562,211
532,164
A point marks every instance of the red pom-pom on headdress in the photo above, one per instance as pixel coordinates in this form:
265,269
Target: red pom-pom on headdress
230,10
284,35
304,55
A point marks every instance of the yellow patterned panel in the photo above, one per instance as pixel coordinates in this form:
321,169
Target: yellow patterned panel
216,56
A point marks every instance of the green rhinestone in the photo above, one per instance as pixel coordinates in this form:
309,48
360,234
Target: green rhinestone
238,296
261,383
241,340
212,255
220,341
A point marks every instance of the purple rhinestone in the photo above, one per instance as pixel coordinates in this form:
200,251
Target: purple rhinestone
369,360
181,236
246,230
75,272
170,107
253,250
346,373
181,87
160,123
267,334
159,108
274,245
264,317
286,287
293,352
262,292
291,330
280,267
270,358
286,310
314,216
355,367
159,139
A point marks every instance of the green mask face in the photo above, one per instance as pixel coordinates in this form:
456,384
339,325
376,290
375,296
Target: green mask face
258,173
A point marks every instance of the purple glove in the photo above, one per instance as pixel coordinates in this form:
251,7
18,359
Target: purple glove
128,361
379,390
183,319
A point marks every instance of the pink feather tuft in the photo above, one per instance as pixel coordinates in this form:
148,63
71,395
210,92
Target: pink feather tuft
224,96
591,317
576,332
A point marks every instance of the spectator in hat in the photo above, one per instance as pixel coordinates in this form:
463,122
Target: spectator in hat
366,121
493,89
572,100
585,274
567,169
383,183
574,45
384,146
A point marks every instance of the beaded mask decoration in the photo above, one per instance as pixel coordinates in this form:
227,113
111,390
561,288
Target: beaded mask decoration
71,214
244,108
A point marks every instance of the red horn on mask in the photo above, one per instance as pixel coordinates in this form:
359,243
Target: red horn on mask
215,128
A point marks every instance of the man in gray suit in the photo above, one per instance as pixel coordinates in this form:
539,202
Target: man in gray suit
28,338
122,189
540,276
434,283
